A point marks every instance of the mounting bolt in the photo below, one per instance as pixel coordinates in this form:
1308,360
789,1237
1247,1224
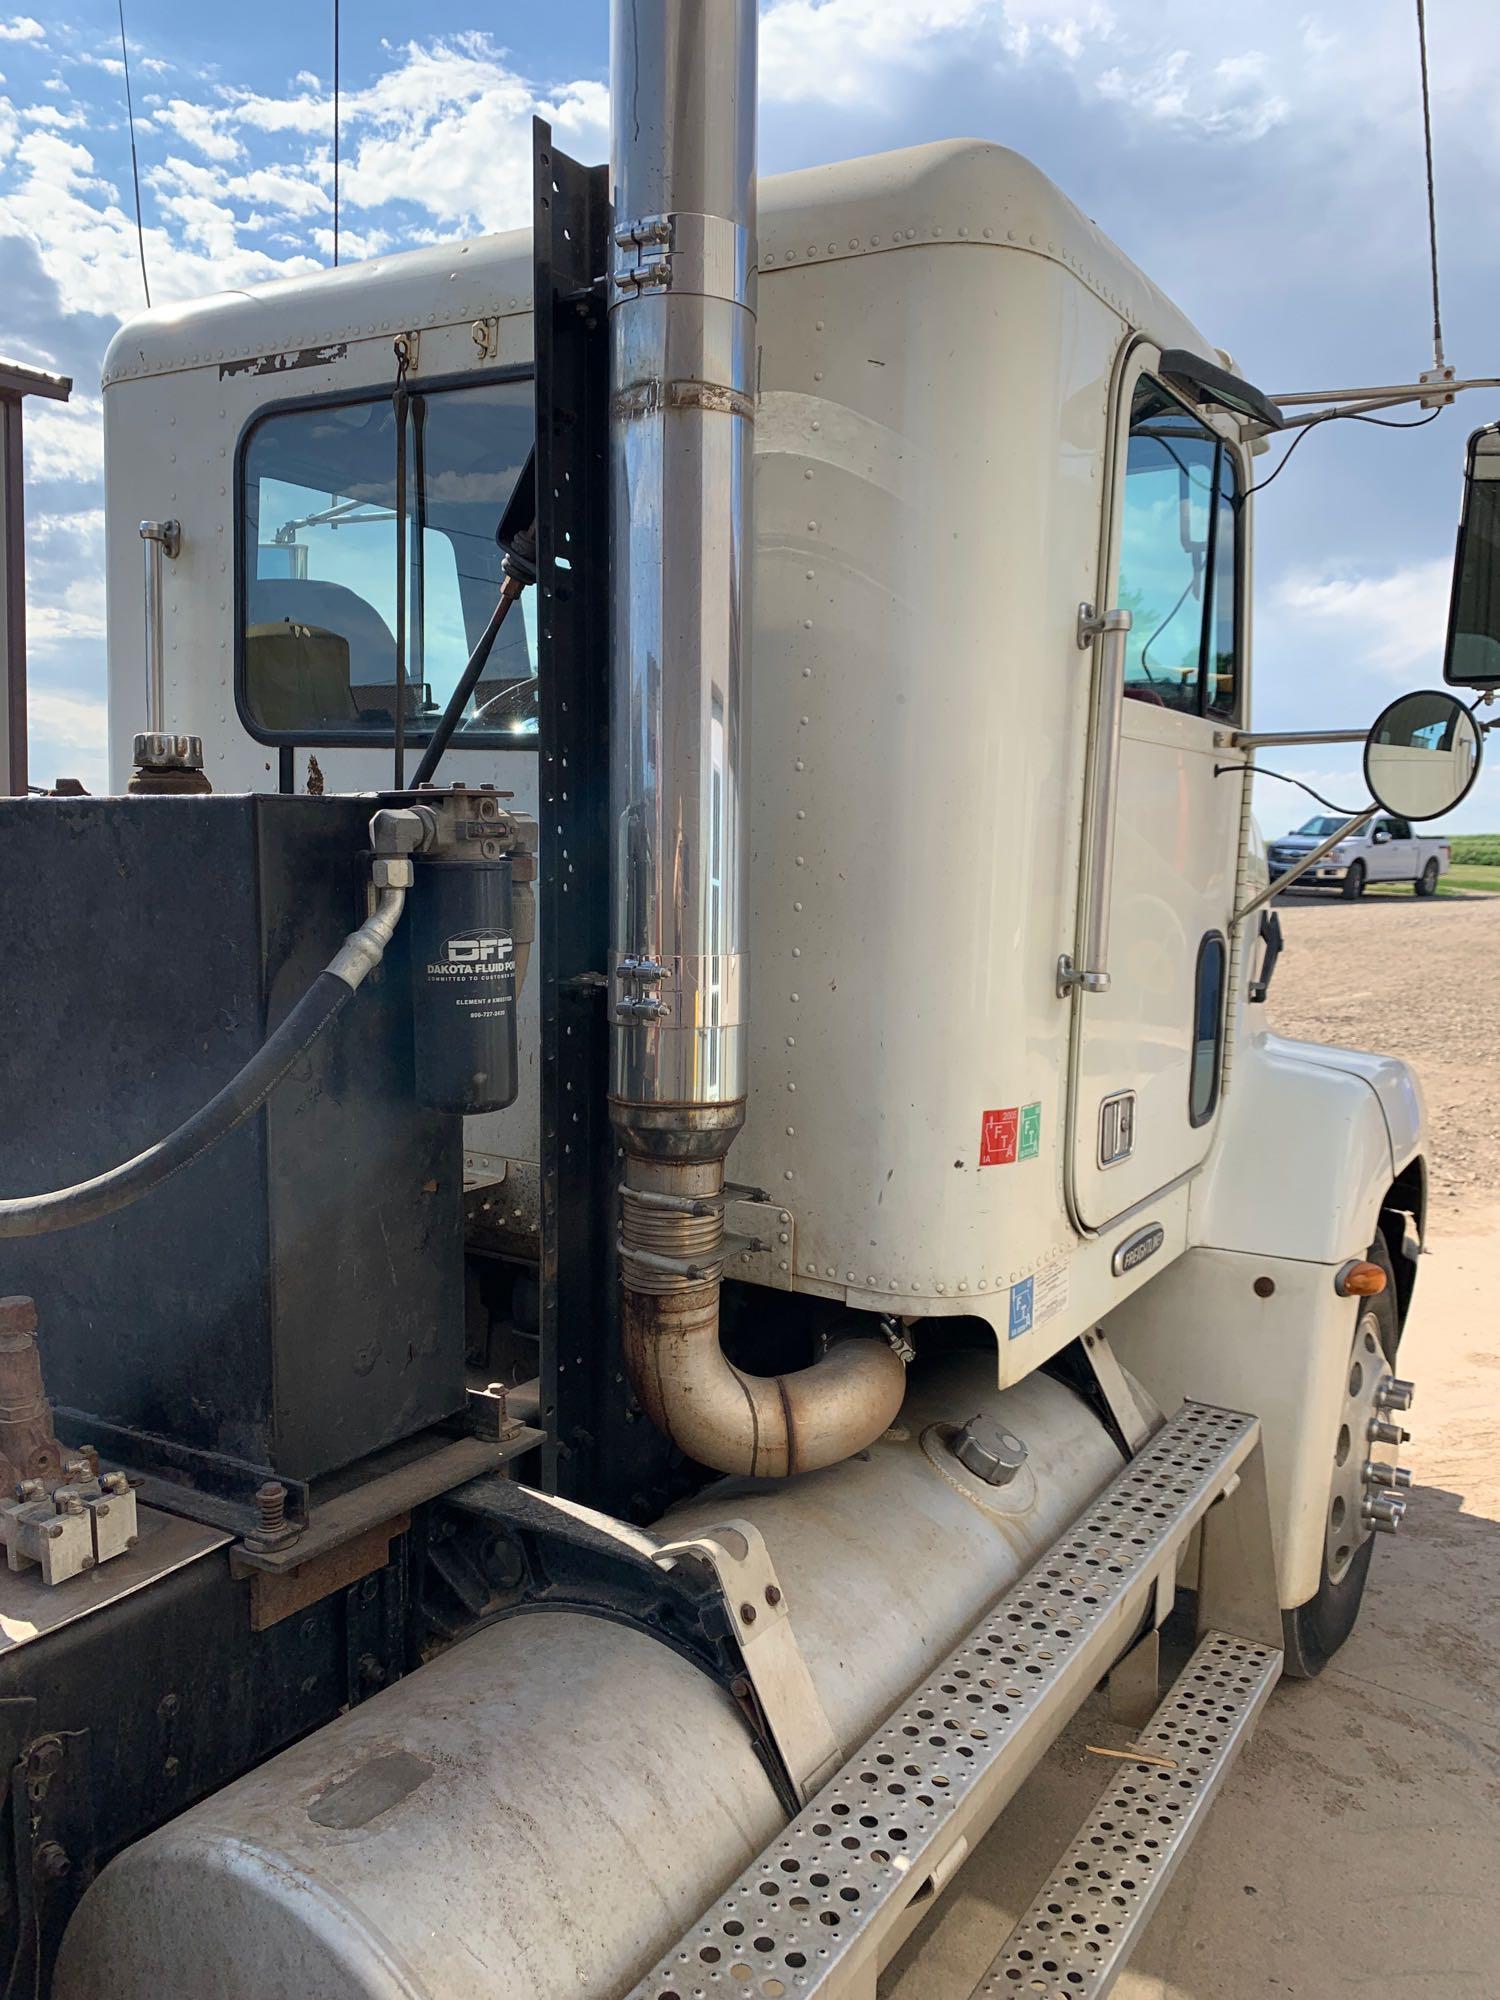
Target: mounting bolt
1383,1512
1394,1394
1376,1474
51,1862
45,1755
773,1595
747,1614
272,1530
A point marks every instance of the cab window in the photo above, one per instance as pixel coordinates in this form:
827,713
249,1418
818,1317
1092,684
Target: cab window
1179,558
319,551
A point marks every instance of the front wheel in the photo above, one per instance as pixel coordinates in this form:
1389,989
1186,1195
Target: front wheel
1354,881
1315,1630
1426,883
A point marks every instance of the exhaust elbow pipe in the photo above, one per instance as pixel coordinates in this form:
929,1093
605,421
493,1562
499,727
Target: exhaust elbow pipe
753,1426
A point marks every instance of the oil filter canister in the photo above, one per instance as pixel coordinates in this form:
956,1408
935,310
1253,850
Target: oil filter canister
463,972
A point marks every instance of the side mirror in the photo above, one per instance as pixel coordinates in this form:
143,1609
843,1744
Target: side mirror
1422,755
1472,655
1380,836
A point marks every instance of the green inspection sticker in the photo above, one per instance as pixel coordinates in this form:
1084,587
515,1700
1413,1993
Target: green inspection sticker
1030,1142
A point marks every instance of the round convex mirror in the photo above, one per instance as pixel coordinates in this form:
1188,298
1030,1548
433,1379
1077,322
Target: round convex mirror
1422,755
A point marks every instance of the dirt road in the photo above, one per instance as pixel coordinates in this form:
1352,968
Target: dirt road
1356,1848
1420,980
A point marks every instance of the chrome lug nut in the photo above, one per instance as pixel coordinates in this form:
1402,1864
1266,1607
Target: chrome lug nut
1384,1512
1394,1394
1382,1431
1377,1474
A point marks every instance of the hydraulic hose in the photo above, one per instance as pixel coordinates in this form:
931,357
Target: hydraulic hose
329,994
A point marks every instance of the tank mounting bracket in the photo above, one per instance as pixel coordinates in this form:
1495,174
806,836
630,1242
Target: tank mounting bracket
794,1715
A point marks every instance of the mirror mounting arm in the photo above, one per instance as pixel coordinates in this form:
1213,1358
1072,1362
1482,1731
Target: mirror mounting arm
1308,860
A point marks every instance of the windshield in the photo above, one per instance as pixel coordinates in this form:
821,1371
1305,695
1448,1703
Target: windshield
319,555
1321,828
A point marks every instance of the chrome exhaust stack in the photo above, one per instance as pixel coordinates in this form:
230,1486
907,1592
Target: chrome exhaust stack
682,410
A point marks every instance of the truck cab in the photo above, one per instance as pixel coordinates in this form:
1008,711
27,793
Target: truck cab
834,593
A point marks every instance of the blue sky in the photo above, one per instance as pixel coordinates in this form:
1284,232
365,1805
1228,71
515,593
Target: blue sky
1263,165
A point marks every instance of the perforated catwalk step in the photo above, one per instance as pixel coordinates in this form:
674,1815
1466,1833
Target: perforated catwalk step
1073,1942
828,1902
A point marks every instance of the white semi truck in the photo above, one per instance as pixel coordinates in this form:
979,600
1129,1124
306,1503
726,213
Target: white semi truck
637,1442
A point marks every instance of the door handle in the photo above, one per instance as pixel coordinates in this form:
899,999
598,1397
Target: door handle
1107,635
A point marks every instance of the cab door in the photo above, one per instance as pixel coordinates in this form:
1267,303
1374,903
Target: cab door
1393,851
1147,1053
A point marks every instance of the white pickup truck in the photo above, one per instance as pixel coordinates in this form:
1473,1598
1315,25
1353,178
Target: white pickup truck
1386,850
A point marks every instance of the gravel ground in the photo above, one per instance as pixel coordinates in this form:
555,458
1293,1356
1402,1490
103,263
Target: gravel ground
1419,980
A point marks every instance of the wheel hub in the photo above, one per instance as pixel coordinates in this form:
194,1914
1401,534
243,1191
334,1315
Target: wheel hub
1368,1492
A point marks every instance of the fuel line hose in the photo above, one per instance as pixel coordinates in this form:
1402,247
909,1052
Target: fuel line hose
244,1094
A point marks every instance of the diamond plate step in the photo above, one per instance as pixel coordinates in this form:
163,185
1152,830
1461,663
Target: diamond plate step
1073,1942
825,1905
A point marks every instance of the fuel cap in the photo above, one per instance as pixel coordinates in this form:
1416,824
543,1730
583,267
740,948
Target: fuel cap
987,1449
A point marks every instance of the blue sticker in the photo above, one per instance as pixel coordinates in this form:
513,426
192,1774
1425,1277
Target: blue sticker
1021,1307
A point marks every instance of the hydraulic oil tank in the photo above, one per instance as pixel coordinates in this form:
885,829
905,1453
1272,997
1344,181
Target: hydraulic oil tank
293,1299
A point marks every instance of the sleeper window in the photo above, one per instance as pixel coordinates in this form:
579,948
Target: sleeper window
319,556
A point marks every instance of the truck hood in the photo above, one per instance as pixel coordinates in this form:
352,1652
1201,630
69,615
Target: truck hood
1395,1087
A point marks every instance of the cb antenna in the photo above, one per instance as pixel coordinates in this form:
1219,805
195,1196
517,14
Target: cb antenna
135,171
335,132
1437,311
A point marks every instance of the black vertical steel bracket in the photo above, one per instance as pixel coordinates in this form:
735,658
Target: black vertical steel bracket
601,1449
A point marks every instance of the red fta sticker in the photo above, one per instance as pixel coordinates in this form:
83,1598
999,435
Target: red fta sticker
997,1137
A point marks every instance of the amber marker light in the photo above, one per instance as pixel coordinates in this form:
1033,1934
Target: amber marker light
1360,1281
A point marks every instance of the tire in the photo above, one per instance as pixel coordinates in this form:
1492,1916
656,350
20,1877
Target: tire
1354,881
1426,883
1315,1630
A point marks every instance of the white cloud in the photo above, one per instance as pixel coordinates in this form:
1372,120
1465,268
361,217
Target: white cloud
1393,624
294,190
65,441
22,28
200,127
1228,99
77,613
68,734
54,118
87,245
842,51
